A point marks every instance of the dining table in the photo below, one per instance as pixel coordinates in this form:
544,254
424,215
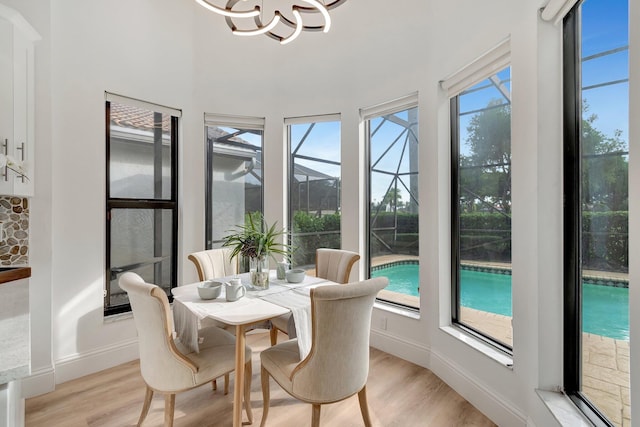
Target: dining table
257,306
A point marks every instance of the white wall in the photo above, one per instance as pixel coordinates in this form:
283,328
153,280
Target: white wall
40,220
177,54
140,49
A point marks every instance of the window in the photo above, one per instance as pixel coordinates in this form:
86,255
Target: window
233,173
314,186
481,208
392,141
142,196
596,244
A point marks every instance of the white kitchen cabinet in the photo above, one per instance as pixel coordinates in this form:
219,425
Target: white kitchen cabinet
17,40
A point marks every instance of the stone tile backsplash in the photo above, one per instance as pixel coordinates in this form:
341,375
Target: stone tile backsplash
14,231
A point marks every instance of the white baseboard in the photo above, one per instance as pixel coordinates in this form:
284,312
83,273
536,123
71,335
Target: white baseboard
402,348
490,404
486,400
81,364
40,381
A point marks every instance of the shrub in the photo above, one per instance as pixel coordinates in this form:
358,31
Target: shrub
312,232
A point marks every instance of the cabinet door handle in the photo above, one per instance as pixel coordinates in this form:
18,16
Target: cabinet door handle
5,145
21,148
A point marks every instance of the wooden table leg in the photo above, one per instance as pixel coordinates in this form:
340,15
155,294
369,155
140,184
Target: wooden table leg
238,386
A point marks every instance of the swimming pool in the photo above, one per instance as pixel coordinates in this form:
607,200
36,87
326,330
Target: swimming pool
605,308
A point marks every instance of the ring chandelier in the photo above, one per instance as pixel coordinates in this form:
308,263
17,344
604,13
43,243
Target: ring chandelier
283,27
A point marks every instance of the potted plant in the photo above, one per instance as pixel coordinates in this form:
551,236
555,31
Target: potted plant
257,241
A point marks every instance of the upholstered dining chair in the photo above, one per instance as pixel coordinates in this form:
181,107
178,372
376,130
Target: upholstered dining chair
335,264
338,363
211,264
214,263
166,365
331,264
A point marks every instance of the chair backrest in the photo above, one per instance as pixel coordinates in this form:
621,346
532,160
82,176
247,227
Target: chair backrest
338,364
163,367
214,263
335,264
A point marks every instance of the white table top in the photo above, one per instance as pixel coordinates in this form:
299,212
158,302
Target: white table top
243,311
256,306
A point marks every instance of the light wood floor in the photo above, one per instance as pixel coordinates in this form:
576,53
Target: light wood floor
400,394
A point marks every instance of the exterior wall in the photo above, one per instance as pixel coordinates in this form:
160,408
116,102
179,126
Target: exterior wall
227,215
176,54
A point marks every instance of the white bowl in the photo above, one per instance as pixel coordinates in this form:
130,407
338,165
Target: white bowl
209,289
295,275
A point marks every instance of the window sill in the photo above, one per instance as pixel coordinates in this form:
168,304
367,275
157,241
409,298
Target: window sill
401,311
484,348
563,409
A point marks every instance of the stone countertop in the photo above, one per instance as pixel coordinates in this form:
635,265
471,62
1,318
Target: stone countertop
15,352
9,274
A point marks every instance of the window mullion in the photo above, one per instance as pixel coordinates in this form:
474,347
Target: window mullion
455,208
572,203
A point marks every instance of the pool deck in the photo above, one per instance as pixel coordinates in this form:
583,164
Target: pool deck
605,364
605,360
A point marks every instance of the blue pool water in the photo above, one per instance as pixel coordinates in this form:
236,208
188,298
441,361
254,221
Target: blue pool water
605,308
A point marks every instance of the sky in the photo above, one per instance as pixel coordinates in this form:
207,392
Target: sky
605,27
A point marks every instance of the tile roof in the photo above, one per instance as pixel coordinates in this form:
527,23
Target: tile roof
137,118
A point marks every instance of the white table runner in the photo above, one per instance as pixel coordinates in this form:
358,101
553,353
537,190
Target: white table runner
296,299
300,306
189,309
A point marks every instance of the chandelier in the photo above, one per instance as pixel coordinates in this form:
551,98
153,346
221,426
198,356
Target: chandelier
284,24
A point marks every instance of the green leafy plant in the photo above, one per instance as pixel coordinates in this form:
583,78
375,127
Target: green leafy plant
256,239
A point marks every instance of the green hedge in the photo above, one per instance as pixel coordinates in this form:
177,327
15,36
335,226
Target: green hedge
407,222
304,247
605,241
404,240
483,237
485,221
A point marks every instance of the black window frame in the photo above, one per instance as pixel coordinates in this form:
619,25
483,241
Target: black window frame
292,156
209,196
140,203
454,122
572,217
367,187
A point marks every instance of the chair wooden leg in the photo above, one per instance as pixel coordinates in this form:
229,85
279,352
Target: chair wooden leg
214,385
273,335
146,405
247,390
315,415
364,408
264,379
226,384
169,406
